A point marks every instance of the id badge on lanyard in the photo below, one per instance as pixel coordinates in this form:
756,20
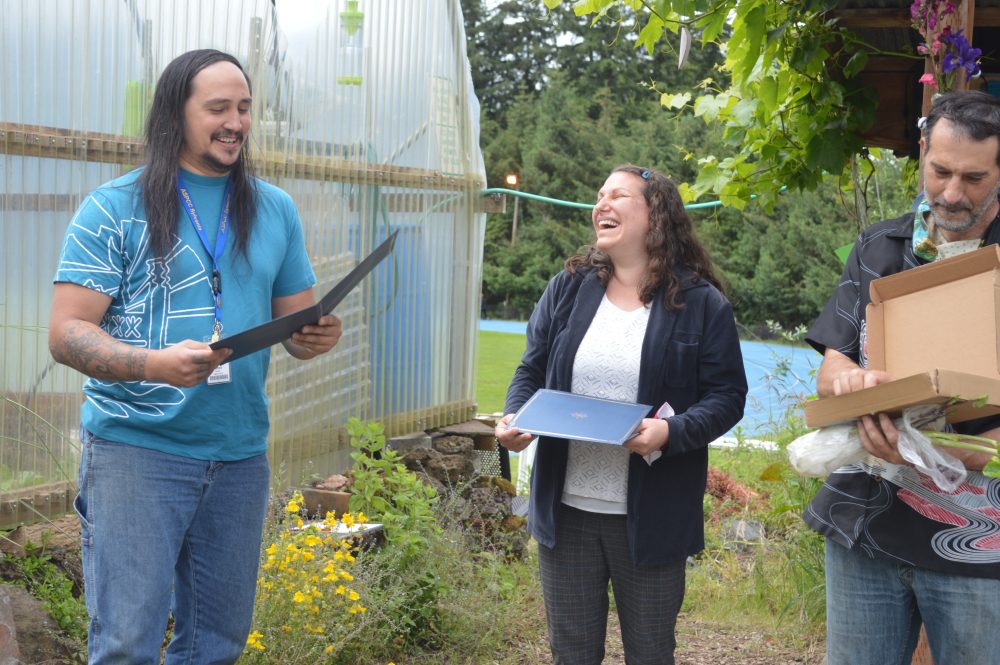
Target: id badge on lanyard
223,373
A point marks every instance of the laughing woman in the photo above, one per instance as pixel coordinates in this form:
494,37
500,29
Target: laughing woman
638,318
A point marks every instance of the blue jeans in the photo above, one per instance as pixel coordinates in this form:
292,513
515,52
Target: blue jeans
874,608
158,526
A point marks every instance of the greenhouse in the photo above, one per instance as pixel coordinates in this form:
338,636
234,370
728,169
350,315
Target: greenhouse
363,111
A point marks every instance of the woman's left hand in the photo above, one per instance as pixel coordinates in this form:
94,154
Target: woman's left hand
651,435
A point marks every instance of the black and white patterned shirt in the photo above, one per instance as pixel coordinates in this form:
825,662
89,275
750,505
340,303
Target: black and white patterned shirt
886,510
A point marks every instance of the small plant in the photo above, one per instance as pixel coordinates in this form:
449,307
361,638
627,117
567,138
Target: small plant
389,492
36,573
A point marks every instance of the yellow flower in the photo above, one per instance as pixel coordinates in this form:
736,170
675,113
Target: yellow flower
292,506
300,597
253,641
313,541
341,590
346,576
329,649
353,595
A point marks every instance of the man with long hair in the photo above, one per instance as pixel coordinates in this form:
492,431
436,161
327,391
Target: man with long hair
173,479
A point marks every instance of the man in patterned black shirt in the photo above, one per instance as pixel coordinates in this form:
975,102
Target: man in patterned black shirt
899,551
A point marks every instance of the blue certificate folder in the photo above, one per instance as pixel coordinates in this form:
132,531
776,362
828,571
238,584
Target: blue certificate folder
569,416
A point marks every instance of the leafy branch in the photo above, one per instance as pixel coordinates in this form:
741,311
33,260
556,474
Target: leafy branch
792,109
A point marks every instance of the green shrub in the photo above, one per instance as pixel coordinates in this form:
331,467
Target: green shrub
36,573
388,492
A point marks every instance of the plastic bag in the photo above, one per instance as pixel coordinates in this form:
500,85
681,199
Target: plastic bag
819,453
946,471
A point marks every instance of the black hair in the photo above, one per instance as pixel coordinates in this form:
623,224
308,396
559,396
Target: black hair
164,143
972,113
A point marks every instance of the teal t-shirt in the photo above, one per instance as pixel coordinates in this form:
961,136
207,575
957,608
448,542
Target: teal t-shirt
158,302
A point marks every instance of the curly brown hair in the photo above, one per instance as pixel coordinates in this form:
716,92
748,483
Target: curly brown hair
671,243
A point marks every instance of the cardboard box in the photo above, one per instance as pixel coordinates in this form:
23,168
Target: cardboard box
937,386
943,315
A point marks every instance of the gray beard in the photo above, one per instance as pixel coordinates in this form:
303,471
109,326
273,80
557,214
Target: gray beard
960,225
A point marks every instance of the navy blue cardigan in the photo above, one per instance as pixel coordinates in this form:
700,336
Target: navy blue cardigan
690,358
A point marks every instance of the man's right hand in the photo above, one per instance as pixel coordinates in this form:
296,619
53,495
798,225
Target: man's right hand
185,364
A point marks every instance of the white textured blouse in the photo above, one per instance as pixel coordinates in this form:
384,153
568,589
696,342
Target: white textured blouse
606,365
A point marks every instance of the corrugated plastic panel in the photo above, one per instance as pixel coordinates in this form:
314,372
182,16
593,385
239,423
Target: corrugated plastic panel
363,111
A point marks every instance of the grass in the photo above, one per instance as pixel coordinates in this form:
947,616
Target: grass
499,355
776,583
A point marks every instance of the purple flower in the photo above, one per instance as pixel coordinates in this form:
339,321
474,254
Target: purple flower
959,53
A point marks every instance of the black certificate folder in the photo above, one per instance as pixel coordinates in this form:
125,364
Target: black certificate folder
570,416
280,329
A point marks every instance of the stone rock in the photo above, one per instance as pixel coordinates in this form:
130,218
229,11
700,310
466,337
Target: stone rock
406,442
428,479
480,432
9,652
484,511
38,637
451,469
419,459
453,445
486,504
471,428
498,482
335,483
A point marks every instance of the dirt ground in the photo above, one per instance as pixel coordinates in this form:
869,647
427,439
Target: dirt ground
703,643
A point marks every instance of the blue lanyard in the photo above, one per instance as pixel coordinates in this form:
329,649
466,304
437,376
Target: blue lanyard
220,245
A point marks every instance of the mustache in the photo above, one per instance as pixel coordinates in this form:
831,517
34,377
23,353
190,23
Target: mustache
959,207
228,135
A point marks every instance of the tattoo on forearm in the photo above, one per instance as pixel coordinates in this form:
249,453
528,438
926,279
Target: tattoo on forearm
91,351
